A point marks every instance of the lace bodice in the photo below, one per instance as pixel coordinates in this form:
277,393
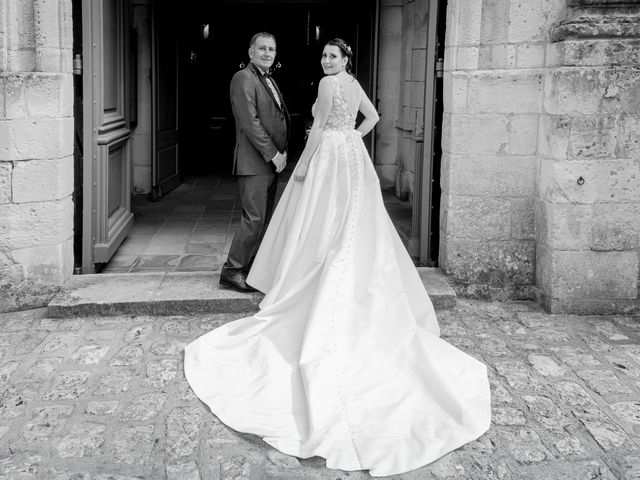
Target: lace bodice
340,117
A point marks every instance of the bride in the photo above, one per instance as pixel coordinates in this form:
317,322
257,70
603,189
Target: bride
343,359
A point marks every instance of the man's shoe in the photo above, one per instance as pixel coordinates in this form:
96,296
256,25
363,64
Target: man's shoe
237,281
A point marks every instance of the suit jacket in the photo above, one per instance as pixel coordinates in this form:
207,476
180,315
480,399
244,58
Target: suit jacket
262,128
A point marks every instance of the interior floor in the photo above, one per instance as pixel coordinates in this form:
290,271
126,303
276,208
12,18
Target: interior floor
191,228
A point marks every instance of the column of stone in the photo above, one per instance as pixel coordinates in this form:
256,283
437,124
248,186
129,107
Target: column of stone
36,148
589,189
494,74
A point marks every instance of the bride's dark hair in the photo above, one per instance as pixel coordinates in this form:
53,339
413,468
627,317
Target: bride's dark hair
345,49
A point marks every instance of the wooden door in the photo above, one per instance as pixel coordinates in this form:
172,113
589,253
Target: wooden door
107,213
165,134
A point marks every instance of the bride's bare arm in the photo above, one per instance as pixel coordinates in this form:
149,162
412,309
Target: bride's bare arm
323,108
371,116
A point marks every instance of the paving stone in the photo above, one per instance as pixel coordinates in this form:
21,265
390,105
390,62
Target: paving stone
546,413
144,407
29,341
575,357
116,381
493,346
609,330
571,447
82,440
176,327
508,416
72,384
58,343
499,394
42,368
596,344
546,366
631,467
627,411
13,402
90,354
587,470
45,422
183,471
161,372
604,382
98,408
11,339
69,324
100,335
241,467
633,351
517,374
609,436
128,355
624,366
525,446
20,467
133,445
138,333
168,347
6,370
573,394
183,428
281,460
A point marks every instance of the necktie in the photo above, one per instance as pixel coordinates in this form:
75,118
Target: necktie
267,79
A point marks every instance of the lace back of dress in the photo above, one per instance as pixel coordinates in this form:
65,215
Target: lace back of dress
340,117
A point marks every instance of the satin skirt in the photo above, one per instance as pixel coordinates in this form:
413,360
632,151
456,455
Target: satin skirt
343,359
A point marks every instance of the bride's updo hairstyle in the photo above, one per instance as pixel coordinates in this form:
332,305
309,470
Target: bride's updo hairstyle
345,49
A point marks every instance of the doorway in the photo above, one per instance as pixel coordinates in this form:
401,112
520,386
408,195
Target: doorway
188,224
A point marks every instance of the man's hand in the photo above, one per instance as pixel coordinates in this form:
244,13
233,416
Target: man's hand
280,161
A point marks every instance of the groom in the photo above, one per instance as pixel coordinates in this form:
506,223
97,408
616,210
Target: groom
262,132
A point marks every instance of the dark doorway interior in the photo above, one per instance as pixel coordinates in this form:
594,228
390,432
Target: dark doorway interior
213,42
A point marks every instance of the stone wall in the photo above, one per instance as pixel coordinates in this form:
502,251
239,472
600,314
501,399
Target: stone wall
589,193
36,150
493,94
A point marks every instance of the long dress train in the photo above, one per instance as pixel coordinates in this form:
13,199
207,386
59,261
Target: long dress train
343,359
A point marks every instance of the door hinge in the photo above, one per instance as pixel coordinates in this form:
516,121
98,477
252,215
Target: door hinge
77,64
439,67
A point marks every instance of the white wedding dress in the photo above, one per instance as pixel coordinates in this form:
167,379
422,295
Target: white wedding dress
344,358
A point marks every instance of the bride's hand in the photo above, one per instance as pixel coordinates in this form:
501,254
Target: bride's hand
300,173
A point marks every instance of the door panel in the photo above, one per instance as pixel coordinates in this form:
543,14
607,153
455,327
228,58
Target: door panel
166,164
107,213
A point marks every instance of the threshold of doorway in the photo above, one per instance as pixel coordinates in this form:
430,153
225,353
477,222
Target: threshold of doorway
183,293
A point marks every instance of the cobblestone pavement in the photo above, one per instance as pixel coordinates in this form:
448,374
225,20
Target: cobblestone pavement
104,398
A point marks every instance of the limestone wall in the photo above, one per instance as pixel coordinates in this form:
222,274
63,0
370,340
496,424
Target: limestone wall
493,99
36,150
589,191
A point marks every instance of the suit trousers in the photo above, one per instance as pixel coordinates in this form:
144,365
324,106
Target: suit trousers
258,198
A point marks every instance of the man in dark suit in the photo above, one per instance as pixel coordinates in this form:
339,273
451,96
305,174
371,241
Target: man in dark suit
262,132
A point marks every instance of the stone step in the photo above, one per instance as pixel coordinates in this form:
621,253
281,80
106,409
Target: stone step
181,293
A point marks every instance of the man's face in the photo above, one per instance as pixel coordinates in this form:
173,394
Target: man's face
263,53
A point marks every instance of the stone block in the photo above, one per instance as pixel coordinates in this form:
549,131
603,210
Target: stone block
6,169
566,226
523,135
51,264
141,179
504,92
32,224
418,64
48,95
602,181
466,58
527,22
555,131
494,22
530,55
490,175
455,87
587,274
31,138
417,94
523,218
490,269
475,134
389,54
629,136
615,226
42,180
492,57
478,217
465,21
594,52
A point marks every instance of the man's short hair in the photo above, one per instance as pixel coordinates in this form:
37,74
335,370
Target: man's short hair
255,38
